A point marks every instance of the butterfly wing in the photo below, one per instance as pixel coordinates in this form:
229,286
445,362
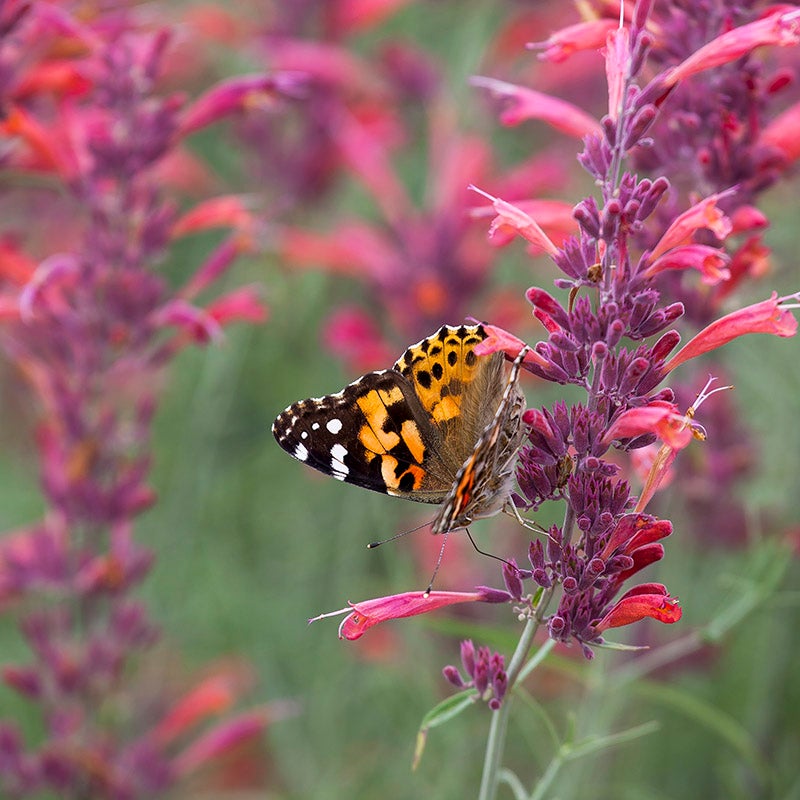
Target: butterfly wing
483,482
373,433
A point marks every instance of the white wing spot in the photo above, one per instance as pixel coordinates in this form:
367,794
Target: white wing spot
334,426
315,426
304,435
300,452
340,469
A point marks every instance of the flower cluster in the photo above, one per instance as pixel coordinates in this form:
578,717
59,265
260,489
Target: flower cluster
92,327
614,339
486,672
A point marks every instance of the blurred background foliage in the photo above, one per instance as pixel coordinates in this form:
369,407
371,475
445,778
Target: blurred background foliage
249,544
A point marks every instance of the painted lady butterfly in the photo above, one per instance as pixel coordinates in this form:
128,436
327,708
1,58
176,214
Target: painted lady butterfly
443,425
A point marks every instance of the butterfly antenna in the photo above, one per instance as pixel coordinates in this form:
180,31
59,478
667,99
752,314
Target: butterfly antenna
438,563
373,545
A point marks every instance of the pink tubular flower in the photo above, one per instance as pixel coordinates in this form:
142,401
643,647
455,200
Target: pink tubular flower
234,94
500,340
704,214
553,216
590,35
645,600
778,28
228,211
781,133
529,104
222,739
239,305
711,262
617,63
769,316
659,417
510,216
368,613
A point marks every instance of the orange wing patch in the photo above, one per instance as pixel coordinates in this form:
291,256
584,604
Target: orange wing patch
441,366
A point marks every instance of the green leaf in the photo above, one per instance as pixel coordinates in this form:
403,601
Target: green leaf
438,715
620,646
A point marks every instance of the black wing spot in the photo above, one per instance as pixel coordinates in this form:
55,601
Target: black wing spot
470,358
406,483
438,370
423,378
452,358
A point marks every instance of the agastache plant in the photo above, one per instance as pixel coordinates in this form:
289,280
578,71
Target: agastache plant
92,328
613,337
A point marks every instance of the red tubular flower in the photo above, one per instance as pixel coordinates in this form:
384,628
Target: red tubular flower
529,104
778,28
645,600
634,531
368,613
768,316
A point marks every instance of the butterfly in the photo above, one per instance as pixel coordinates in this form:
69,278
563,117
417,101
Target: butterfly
443,426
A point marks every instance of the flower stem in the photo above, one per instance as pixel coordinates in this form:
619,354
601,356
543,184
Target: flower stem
495,743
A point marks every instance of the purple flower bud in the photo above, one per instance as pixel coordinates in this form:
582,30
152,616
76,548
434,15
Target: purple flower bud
452,675
620,563
588,217
599,351
641,122
632,376
468,657
596,566
570,585
554,540
556,626
609,129
536,554
664,346
615,331
542,578
500,686
651,199
610,219
511,577
481,676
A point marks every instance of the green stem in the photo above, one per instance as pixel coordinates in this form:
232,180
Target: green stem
495,744
517,668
